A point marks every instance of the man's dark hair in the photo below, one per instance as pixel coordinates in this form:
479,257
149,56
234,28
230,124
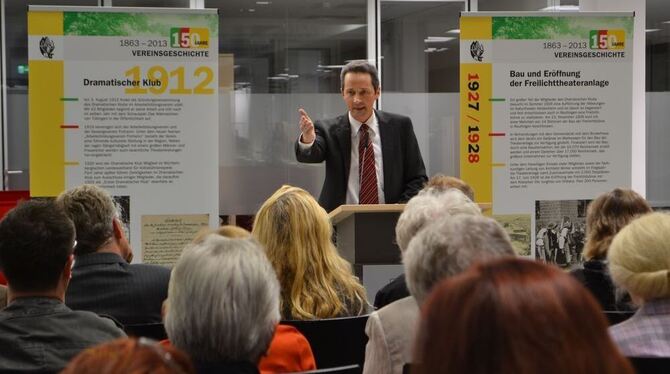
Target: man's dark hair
360,66
36,239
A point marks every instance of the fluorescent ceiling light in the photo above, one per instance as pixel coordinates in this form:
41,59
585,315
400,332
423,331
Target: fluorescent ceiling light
264,2
453,31
652,30
438,39
561,8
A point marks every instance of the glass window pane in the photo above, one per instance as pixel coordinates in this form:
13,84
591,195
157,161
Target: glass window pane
658,100
420,64
276,57
420,46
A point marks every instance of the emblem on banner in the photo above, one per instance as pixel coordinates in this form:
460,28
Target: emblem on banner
47,47
477,50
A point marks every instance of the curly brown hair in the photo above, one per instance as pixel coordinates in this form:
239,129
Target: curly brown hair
607,215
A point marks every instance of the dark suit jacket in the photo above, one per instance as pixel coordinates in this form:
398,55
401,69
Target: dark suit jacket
105,283
395,290
404,171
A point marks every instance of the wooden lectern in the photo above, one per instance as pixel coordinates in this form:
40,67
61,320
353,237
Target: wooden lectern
366,233
366,238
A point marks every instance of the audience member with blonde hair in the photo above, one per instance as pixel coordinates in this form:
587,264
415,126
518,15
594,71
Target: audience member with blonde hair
444,248
223,304
315,281
605,216
639,261
129,355
514,316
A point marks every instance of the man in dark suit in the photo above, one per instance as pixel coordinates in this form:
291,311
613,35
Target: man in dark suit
103,280
361,135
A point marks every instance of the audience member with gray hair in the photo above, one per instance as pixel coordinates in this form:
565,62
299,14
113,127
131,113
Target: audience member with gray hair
449,246
446,246
223,304
103,280
432,202
639,262
428,205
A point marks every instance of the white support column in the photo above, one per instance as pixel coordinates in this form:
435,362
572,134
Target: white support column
3,95
374,39
639,120
197,4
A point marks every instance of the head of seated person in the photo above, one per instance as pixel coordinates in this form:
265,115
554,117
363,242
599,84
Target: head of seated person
512,316
223,303
97,219
434,201
38,333
103,280
608,214
36,245
430,204
129,355
450,245
316,282
639,262
445,182
227,231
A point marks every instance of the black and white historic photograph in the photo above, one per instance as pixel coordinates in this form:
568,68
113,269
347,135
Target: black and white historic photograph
560,231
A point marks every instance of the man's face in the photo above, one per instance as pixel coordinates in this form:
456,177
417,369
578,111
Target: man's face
360,95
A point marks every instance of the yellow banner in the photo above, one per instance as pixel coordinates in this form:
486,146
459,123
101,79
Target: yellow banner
46,112
476,125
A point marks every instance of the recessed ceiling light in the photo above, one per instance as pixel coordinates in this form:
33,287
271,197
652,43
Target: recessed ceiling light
251,10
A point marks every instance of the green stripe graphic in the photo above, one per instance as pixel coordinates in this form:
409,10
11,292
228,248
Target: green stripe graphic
134,24
557,27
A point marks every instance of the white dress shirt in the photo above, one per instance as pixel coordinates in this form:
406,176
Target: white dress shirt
354,184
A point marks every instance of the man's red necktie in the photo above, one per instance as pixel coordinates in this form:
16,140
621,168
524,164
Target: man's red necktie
366,168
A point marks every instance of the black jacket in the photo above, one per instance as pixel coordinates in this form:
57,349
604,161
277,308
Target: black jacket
404,171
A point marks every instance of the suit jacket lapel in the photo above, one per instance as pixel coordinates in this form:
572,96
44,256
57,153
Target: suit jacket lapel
387,137
343,136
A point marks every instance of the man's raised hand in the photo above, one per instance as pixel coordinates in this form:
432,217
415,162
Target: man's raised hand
306,127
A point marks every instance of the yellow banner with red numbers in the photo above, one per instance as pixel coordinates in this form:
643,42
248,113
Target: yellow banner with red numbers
475,110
